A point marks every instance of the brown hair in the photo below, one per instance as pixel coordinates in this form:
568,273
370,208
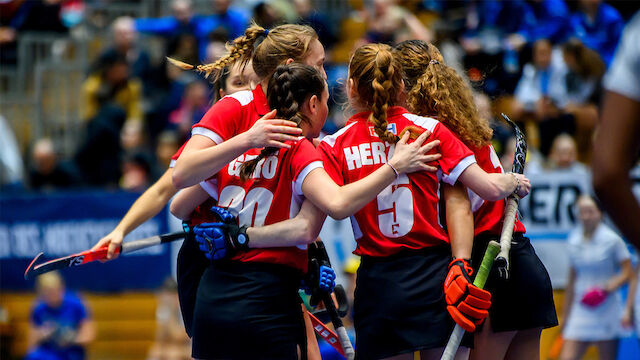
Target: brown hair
378,77
289,87
278,45
438,90
588,62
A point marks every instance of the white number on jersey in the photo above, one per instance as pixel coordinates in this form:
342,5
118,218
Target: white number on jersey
395,204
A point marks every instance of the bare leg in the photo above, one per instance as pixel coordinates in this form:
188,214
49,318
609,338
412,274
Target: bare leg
436,354
573,349
525,345
489,344
608,350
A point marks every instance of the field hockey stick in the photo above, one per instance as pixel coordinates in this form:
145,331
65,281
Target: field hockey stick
318,250
520,155
98,254
481,278
327,334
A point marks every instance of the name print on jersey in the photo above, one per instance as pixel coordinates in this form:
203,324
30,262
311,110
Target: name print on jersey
366,154
266,168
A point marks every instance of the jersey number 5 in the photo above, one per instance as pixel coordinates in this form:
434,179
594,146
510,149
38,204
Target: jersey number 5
395,206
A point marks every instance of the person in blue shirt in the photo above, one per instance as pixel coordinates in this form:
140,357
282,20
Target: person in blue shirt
60,325
599,26
551,21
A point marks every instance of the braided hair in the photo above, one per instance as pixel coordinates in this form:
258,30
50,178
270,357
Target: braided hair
289,88
379,81
276,46
436,89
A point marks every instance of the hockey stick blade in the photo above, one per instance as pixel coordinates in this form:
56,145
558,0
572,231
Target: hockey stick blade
88,256
327,334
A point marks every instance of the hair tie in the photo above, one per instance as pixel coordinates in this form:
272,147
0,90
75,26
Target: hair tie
434,61
266,32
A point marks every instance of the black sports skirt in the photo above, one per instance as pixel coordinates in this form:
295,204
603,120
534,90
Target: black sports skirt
191,265
248,310
399,304
525,300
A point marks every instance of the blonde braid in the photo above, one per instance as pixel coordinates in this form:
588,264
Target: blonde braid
240,50
382,83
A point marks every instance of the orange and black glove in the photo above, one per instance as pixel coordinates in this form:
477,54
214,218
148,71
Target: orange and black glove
467,304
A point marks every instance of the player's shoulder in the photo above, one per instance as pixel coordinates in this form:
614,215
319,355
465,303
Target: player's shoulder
338,136
425,122
241,98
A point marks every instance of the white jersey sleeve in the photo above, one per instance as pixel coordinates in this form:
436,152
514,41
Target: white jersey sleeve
623,76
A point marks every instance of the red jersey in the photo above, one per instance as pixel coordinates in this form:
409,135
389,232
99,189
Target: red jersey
488,215
405,214
273,194
232,115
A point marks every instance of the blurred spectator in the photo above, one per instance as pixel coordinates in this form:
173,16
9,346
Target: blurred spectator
620,130
60,324
125,45
599,26
564,155
267,16
112,85
47,172
501,131
389,23
172,343
182,20
11,165
551,22
132,136
307,15
585,70
168,145
194,104
184,47
599,265
136,172
24,16
98,156
540,79
233,19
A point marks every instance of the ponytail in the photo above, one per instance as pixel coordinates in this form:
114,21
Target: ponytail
289,87
378,77
435,89
267,49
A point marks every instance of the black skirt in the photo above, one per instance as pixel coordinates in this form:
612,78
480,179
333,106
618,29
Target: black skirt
248,310
191,265
400,305
525,300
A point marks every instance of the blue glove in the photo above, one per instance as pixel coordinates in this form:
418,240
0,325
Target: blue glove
327,279
221,239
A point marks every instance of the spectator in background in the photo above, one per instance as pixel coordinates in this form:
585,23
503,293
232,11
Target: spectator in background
125,45
564,155
47,172
98,156
599,264
266,15
172,343
11,166
307,15
619,132
136,172
112,84
233,19
501,131
168,145
182,20
194,104
599,26
551,22
390,24
60,324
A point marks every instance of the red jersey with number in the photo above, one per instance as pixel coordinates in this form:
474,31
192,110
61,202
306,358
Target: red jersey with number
273,194
489,215
406,213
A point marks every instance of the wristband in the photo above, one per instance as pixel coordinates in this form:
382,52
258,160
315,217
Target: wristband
518,186
395,172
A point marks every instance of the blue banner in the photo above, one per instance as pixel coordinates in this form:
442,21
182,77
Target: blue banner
61,224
